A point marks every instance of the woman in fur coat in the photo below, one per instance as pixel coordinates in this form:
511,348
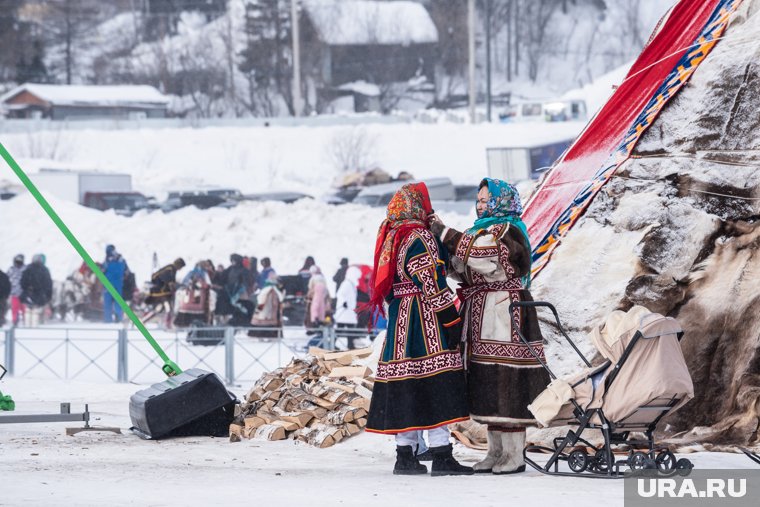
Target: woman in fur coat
492,259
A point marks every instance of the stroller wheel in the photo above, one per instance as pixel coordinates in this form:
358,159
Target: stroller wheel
578,461
638,461
599,463
666,461
684,467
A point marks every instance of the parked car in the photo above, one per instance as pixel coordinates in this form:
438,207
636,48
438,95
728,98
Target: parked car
466,192
286,197
123,203
545,110
202,198
439,189
342,195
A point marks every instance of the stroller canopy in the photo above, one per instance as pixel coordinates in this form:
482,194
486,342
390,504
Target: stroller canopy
645,368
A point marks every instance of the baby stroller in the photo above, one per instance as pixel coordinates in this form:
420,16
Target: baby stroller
643,378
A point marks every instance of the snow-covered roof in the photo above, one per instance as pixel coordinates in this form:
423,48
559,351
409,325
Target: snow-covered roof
349,22
362,88
112,95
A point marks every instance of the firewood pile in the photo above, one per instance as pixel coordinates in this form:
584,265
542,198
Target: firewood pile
320,400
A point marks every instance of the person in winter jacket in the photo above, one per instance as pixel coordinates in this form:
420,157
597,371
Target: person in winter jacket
340,275
305,270
236,282
162,290
254,275
317,298
115,269
194,297
5,292
269,309
266,270
419,379
492,259
14,274
345,307
36,290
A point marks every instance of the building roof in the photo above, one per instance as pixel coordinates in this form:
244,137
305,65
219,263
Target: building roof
91,95
365,22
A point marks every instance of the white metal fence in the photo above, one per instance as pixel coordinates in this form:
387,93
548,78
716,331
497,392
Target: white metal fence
123,355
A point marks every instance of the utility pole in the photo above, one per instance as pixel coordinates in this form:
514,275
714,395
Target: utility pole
471,48
509,41
517,38
297,107
488,58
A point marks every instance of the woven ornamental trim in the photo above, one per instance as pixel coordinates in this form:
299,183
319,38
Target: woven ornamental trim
417,368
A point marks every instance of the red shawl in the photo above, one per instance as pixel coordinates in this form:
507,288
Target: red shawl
408,210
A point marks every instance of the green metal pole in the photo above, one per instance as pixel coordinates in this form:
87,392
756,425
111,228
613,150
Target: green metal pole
169,367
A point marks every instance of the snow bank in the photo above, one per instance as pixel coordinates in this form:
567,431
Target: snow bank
286,233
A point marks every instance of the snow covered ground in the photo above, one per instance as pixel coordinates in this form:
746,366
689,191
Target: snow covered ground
40,465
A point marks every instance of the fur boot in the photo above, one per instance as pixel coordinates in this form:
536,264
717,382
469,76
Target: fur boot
494,453
406,462
511,460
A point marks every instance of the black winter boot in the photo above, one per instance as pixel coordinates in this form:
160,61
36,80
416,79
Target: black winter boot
425,456
445,464
406,462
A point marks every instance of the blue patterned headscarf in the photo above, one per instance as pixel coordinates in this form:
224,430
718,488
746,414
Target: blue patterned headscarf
503,206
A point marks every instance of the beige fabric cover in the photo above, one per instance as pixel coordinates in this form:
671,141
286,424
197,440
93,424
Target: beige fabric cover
654,374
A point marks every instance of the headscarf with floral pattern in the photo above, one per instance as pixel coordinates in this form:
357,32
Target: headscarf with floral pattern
408,210
503,206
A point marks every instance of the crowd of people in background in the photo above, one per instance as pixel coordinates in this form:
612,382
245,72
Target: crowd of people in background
245,293
29,288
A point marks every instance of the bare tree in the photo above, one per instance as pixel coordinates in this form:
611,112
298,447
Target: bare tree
67,22
266,59
537,15
352,149
202,77
631,30
450,19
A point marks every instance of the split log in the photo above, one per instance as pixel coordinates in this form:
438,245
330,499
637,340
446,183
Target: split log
351,354
270,432
363,392
350,371
287,425
302,419
236,432
318,352
272,383
351,429
254,421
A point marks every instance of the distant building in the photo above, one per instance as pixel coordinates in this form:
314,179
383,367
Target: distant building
71,102
366,42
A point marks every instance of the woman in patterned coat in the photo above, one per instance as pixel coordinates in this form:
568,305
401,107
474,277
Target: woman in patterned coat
492,260
419,381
